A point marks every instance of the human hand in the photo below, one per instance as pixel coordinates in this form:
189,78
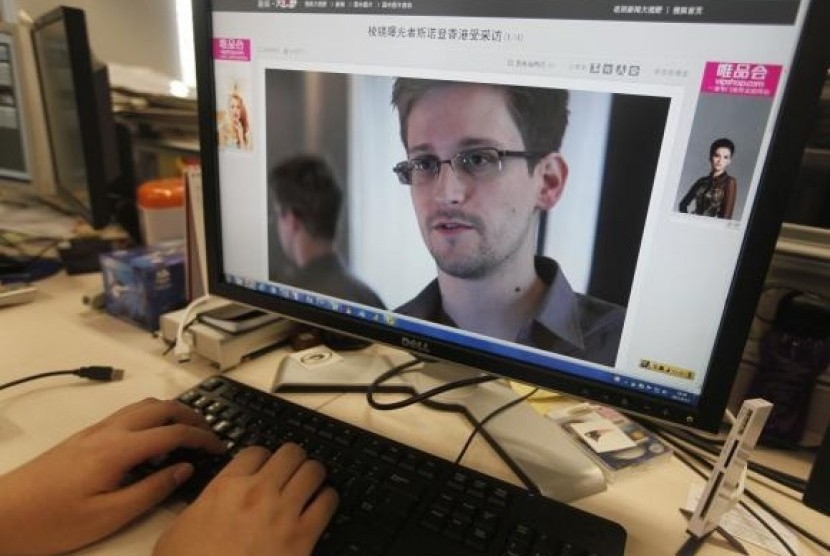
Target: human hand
74,493
259,504
238,132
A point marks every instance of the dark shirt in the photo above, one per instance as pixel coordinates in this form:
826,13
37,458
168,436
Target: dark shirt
713,196
327,275
567,322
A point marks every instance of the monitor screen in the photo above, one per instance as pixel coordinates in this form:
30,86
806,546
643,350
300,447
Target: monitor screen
14,158
583,196
25,159
78,111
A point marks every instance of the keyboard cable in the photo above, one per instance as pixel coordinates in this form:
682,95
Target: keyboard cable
426,399
479,426
377,383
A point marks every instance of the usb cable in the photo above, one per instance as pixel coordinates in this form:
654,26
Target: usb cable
97,373
182,347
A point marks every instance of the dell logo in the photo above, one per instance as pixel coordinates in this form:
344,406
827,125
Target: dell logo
417,345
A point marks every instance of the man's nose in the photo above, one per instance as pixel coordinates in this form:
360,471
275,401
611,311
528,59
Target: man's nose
449,187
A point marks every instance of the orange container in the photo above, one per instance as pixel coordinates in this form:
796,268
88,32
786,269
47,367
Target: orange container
161,210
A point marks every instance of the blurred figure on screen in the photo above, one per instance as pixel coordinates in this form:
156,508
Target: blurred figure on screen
482,164
307,205
234,127
714,193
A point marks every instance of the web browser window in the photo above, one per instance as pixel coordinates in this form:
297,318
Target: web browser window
670,110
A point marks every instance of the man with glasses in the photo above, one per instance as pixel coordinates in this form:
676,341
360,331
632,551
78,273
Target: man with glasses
482,164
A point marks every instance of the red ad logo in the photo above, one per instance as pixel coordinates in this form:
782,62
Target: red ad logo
740,78
234,50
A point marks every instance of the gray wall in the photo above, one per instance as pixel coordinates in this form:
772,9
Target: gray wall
129,32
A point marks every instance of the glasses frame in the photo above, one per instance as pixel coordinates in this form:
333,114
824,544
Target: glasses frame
404,170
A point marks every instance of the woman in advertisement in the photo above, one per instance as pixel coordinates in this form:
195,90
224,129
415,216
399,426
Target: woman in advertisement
713,194
234,128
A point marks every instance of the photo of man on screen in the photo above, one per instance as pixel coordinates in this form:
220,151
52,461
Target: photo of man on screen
482,164
308,201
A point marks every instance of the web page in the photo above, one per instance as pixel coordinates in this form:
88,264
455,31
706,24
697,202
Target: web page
650,86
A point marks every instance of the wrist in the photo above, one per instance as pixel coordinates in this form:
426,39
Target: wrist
13,520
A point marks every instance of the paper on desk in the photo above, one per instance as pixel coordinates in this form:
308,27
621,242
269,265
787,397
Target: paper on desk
743,525
36,220
541,401
143,80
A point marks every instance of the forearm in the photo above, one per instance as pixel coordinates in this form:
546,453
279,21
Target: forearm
73,494
19,530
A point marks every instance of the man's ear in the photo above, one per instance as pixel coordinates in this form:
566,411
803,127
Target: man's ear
554,173
292,221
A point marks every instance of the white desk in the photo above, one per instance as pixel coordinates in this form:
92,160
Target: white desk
57,331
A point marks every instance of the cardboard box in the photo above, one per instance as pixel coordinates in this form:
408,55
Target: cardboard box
142,283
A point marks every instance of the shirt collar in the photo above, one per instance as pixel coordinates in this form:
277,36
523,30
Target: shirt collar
558,318
559,313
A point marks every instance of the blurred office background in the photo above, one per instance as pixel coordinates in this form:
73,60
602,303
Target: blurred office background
136,33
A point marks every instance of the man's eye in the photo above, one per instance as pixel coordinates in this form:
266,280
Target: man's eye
425,164
479,159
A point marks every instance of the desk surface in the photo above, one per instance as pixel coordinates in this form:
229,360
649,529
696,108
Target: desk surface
57,331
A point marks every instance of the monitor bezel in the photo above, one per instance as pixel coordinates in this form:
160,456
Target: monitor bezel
788,141
95,115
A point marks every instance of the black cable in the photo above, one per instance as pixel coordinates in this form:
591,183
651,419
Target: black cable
769,527
426,399
529,483
713,447
682,454
415,398
790,481
479,426
786,521
99,373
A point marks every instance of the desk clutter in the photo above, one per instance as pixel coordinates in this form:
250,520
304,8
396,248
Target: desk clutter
16,293
613,441
225,348
141,284
652,525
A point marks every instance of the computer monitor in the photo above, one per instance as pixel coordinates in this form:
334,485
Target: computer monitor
25,160
86,156
582,196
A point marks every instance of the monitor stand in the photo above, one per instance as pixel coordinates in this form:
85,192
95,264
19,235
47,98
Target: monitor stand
536,447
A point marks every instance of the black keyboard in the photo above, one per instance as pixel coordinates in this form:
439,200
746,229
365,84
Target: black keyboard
395,499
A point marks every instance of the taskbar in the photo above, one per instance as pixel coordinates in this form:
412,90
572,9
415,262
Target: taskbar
528,355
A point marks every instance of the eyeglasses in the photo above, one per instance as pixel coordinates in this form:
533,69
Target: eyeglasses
481,164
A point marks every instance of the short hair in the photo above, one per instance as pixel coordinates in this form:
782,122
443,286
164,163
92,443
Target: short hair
541,115
721,143
305,185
